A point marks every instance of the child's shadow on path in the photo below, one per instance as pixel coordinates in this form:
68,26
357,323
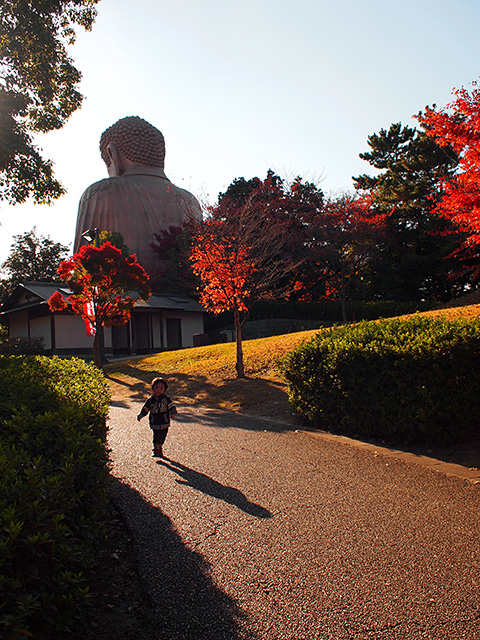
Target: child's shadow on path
207,485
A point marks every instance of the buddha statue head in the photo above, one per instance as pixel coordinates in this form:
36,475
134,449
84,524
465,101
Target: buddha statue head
132,142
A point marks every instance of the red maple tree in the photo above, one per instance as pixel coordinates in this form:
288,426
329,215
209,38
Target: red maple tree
247,248
458,126
102,282
225,271
344,236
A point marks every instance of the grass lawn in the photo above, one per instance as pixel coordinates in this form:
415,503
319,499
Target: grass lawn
207,376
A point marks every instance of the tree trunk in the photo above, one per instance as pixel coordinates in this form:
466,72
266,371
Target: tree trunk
238,332
99,346
97,359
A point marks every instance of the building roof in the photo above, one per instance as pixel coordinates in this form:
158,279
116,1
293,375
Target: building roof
37,293
40,292
174,302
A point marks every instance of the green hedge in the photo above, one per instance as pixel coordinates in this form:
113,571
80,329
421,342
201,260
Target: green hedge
400,381
325,311
53,479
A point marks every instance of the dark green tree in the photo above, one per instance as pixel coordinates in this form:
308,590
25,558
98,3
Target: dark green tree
413,263
32,258
116,239
38,89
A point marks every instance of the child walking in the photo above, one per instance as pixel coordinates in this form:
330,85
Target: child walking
161,409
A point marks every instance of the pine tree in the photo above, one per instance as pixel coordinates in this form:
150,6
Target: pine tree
412,169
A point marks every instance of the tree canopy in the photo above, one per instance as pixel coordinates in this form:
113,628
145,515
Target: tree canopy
102,281
38,89
251,245
32,258
457,127
344,241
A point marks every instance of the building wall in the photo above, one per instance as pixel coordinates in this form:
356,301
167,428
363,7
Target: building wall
18,325
70,336
70,333
41,328
157,332
192,323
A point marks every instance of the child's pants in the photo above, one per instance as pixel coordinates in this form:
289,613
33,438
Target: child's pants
159,436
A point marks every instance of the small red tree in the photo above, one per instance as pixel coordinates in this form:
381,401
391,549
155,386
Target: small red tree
458,126
225,270
344,236
244,251
101,281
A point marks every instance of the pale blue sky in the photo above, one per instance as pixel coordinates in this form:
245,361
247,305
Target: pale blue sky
241,86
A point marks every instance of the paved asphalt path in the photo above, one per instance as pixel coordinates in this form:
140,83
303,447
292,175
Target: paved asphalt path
252,530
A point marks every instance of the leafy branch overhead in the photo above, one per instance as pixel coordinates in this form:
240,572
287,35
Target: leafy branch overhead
38,89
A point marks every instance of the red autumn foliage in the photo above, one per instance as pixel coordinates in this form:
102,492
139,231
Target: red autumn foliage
224,268
103,277
344,237
249,246
458,126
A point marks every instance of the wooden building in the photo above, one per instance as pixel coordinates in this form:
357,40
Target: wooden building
165,322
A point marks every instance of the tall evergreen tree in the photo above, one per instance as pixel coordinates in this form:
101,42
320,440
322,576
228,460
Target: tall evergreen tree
413,263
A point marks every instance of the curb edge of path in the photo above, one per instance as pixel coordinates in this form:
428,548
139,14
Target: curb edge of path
471,474
448,468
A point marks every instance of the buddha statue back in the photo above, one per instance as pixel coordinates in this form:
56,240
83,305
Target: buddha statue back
137,199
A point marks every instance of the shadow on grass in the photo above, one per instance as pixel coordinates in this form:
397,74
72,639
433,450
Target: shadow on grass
211,487
260,396
187,605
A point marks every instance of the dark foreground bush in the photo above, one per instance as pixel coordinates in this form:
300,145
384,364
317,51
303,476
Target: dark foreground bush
21,346
53,477
400,381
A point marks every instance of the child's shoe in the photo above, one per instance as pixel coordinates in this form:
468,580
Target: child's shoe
157,451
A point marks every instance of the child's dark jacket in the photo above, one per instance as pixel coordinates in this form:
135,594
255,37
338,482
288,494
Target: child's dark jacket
159,408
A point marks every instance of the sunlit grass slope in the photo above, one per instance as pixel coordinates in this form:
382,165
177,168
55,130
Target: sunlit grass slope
206,375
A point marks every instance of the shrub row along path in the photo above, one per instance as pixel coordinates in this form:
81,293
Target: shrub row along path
251,529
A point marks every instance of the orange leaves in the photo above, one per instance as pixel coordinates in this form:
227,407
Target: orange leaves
224,268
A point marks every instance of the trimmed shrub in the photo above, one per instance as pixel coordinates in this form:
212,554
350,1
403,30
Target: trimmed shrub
53,479
330,310
399,381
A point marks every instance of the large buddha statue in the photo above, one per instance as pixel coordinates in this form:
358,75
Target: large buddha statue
137,200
